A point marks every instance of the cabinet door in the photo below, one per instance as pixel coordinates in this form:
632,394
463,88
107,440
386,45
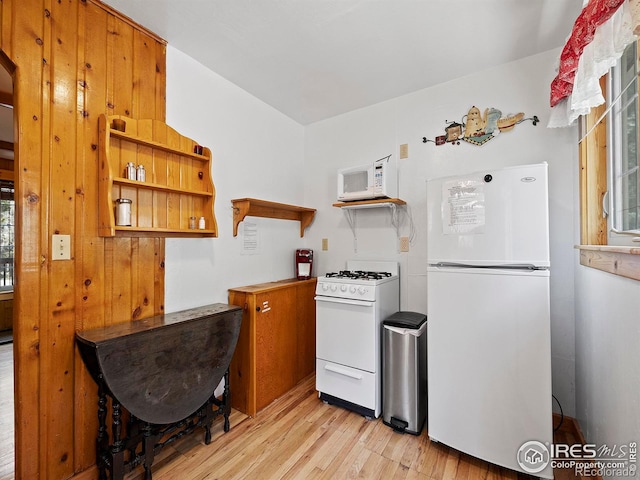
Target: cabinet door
275,316
306,330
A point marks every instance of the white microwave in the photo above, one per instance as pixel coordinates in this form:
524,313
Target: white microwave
365,182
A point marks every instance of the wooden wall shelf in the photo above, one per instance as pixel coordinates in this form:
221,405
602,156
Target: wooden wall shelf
252,207
178,181
379,202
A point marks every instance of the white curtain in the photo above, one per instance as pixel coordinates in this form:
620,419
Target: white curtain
609,41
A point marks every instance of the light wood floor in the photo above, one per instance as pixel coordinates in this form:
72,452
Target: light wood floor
300,437
296,437
6,412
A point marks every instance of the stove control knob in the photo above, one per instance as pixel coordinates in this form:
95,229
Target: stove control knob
324,286
343,288
362,290
334,287
353,289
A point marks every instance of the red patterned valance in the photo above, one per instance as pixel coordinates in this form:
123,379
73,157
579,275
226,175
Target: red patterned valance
593,15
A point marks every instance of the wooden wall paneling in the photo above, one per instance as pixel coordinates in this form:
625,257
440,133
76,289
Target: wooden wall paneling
174,214
121,297
158,272
110,276
47,333
145,158
58,358
120,90
144,76
47,338
6,21
161,82
121,69
57,350
26,29
75,60
159,176
146,274
129,154
135,276
90,272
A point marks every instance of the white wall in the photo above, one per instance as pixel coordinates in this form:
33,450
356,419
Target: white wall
257,152
608,356
373,132
260,153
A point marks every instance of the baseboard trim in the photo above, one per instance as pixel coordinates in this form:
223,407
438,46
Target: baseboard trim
90,473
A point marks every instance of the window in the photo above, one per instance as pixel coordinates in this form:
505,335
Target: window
609,169
7,216
622,154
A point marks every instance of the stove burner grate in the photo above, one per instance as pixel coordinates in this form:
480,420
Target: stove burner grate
358,275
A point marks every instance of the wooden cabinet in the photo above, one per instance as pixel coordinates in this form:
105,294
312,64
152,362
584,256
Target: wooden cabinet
178,182
277,343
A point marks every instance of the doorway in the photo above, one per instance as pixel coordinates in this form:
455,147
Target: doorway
7,242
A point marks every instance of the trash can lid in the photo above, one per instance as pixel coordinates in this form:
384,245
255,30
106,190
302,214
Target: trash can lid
413,320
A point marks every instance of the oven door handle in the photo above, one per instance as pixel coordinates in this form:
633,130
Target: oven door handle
342,371
347,301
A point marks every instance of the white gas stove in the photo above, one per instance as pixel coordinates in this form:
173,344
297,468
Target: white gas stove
350,307
358,281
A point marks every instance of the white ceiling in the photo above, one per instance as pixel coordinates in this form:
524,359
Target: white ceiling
314,59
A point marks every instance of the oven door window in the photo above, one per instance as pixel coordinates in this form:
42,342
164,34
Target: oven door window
347,332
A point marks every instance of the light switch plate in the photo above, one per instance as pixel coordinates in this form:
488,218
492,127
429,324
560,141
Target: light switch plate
61,247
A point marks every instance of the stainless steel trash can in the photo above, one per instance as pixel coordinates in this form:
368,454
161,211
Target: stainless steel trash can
404,371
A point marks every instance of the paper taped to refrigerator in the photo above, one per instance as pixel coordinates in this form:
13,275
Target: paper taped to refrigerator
463,206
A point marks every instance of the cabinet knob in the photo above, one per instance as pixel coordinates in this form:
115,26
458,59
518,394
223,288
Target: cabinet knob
257,309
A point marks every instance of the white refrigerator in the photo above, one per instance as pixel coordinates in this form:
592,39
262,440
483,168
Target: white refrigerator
488,340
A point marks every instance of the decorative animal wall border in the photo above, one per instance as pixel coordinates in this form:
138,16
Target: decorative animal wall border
479,129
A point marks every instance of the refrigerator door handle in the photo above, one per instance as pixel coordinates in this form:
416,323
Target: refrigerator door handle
512,266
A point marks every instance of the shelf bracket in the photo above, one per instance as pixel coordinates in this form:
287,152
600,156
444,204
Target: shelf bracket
350,212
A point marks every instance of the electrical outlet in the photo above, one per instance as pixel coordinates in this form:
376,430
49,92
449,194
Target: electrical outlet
404,150
325,244
61,247
404,244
